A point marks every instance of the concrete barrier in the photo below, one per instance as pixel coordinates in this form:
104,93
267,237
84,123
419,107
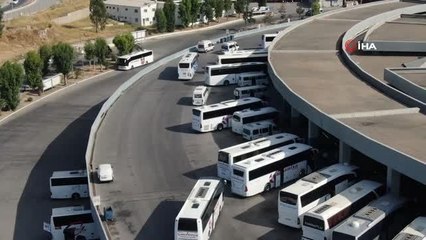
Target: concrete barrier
391,75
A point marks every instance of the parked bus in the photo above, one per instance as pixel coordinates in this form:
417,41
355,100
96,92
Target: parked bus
69,184
310,191
247,116
200,95
258,91
267,39
135,59
243,57
416,230
226,74
371,222
218,116
71,223
252,78
227,157
319,222
257,130
188,66
271,169
199,214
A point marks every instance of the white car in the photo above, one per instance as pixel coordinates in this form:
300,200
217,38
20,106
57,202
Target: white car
105,173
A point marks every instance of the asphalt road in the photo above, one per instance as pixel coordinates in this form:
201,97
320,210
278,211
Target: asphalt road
52,135
157,158
26,7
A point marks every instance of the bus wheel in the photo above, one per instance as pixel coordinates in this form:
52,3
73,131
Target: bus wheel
80,238
226,83
267,187
219,127
75,196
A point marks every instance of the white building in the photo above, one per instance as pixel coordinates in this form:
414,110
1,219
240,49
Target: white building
138,12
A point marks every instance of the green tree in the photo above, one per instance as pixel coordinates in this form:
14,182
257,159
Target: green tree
2,104
218,9
184,12
227,4
282,10
63,56
239,7
45,52
1,23
101,51
300,10
315,6
161,20
247,13
11,77
89,51
195,11
98,14
208,10
124,43
169,11
33,66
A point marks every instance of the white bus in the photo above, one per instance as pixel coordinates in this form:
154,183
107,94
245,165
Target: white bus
227,157
71,223
135,59
218,116
416,230
69,184
247,116
187,66
271,169
310,191
229,73
252,78
319,222
200,212
257,130
243,57
267,39
200,95
258,91
372,221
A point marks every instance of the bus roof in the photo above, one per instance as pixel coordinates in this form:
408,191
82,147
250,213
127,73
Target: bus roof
270,34
343,199
188,58
415,228
64,211
258,143
226,104
254,112
198,199
319,178
233,65
271,156
127,56
66,174
199,89
245,52
250,87
370,214
257,125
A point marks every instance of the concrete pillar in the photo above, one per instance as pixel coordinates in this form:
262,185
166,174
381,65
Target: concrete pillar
313,133
393,180
344,152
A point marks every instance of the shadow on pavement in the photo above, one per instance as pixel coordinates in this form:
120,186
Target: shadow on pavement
194,83
169,74
209,171
162,221
34,205
185,101
182,128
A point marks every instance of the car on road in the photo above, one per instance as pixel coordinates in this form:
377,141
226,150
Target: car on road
205,46
105,173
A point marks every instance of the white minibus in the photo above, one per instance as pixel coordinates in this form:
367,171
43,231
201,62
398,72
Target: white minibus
199,214
231,155
258,91
135,59
372,221
267,39
313,189
416,230
271,169
230,46
253,78
247,116
187,66
319,222
218,116
205,46
200,95
226,74
69,184
257,130
71,223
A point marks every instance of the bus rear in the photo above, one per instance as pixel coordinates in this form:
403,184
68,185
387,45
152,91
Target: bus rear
238,181
187,228
197,116
288,209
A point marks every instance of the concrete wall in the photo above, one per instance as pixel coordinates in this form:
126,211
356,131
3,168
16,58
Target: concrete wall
391,75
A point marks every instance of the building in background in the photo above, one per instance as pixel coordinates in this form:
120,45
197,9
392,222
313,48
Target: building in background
137,12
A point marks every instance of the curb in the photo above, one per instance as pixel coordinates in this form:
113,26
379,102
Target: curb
51,94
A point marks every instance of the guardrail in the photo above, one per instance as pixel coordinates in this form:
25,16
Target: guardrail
95,199
391,75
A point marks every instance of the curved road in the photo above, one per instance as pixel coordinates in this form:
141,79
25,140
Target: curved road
52,135
27,7
157,158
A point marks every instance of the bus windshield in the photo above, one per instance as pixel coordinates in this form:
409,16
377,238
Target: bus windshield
183,65
223,157
236,118
122,61
313,222
197,96
288,198
196,112
187,224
